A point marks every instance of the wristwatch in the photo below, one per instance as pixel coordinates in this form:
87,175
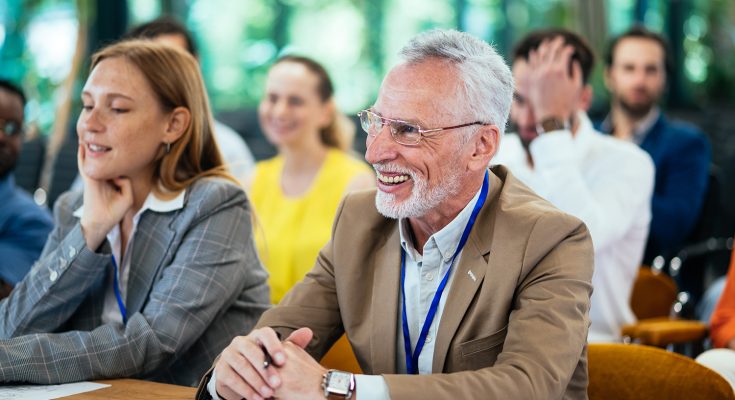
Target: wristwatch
551,124
338,384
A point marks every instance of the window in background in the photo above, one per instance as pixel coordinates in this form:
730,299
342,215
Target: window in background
36,49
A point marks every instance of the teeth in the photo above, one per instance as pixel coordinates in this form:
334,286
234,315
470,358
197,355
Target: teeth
95,147
392,179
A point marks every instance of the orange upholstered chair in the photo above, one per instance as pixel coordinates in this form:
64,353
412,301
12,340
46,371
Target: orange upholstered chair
654,293
632,372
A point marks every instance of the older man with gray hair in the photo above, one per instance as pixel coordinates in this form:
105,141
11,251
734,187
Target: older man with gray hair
451,280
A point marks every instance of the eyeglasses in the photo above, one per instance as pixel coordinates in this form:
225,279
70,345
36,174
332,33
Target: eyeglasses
405,133
10,128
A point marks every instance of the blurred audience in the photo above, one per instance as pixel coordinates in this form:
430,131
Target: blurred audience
635,74
237,156
24,226
151,270
722,331
605,182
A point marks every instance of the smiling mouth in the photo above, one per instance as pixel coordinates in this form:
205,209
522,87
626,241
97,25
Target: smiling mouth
392,180
95,148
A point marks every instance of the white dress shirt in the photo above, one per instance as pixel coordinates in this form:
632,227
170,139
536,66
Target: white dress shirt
607,183
111,311
424,273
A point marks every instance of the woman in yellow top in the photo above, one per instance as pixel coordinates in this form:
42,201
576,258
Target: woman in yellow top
296,193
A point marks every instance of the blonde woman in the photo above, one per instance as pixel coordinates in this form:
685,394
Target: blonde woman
146,273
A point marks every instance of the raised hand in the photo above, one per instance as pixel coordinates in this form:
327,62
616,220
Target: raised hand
105,204
552,90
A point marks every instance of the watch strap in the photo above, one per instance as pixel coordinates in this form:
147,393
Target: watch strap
552,124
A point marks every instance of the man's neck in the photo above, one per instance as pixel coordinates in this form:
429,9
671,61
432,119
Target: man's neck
432,222
623,123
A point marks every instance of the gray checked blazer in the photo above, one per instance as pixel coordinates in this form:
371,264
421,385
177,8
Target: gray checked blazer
195,282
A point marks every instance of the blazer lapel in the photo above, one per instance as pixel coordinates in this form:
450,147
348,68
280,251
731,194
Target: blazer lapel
385,305
469,275
153,237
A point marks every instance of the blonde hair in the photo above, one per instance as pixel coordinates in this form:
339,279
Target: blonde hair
175,78
340,132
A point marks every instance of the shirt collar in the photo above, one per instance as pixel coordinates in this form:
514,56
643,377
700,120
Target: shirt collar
153,203
447,239
640,130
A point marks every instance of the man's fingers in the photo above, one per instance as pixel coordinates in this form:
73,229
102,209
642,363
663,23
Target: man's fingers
268,338
301,337
230,386
577,73
245,375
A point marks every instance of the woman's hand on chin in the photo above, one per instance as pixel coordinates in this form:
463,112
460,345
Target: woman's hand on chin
105,204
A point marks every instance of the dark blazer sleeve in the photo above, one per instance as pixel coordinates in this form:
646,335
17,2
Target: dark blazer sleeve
547,328
681,185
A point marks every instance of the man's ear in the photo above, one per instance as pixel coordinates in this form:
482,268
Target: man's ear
585,98
178,122
486,142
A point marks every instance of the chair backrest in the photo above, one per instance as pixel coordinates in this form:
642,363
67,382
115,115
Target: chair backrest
631,372
653,294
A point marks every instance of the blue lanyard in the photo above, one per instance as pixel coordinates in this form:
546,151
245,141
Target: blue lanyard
116,287
412,358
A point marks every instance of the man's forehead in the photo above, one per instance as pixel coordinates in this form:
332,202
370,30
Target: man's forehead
11,105
426,85
629,49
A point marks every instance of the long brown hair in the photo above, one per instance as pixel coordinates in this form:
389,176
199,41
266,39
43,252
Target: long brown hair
176,80
340,132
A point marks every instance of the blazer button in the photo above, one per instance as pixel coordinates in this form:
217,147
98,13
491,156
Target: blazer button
53,275
72,252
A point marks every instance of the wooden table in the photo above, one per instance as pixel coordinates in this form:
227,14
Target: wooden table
125,389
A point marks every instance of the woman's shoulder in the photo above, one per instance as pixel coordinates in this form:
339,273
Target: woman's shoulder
214,192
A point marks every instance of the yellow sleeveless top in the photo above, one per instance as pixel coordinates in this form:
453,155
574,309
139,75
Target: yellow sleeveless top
291,230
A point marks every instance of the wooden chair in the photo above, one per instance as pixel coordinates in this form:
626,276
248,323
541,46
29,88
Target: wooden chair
632,372
653,296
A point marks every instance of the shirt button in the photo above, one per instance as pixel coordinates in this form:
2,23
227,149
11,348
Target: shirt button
53,275
428,339
72,252
429,277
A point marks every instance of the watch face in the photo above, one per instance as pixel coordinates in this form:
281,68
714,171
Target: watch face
339,382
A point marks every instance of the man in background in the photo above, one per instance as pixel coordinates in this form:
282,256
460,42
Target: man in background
24,226
606,183
635,75
237,155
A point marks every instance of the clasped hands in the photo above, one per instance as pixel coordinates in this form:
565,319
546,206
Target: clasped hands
241,371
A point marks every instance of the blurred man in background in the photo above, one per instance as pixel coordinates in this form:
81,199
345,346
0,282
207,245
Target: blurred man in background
635,74
24,226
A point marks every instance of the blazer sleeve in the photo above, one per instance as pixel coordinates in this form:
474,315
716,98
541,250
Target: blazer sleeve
206,271
57,283
547,328
680,190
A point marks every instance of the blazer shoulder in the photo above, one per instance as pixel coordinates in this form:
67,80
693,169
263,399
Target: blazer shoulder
212,193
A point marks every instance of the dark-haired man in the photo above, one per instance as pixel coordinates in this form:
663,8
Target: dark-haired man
24,226
235,151
605,182
635,74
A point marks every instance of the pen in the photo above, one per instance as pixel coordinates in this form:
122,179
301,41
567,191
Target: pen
268,360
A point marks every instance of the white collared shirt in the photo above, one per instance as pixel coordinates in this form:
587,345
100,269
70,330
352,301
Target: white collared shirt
607,183
424,273
111,312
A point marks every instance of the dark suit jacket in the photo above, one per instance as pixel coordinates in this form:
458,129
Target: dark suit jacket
516,332
681,154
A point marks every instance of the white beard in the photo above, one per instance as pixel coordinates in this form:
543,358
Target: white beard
422,199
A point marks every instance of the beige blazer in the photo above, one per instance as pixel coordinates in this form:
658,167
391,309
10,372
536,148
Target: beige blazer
516,331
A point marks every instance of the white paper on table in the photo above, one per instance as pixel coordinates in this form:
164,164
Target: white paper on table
47,392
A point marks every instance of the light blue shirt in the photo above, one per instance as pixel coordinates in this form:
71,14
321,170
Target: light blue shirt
424,272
